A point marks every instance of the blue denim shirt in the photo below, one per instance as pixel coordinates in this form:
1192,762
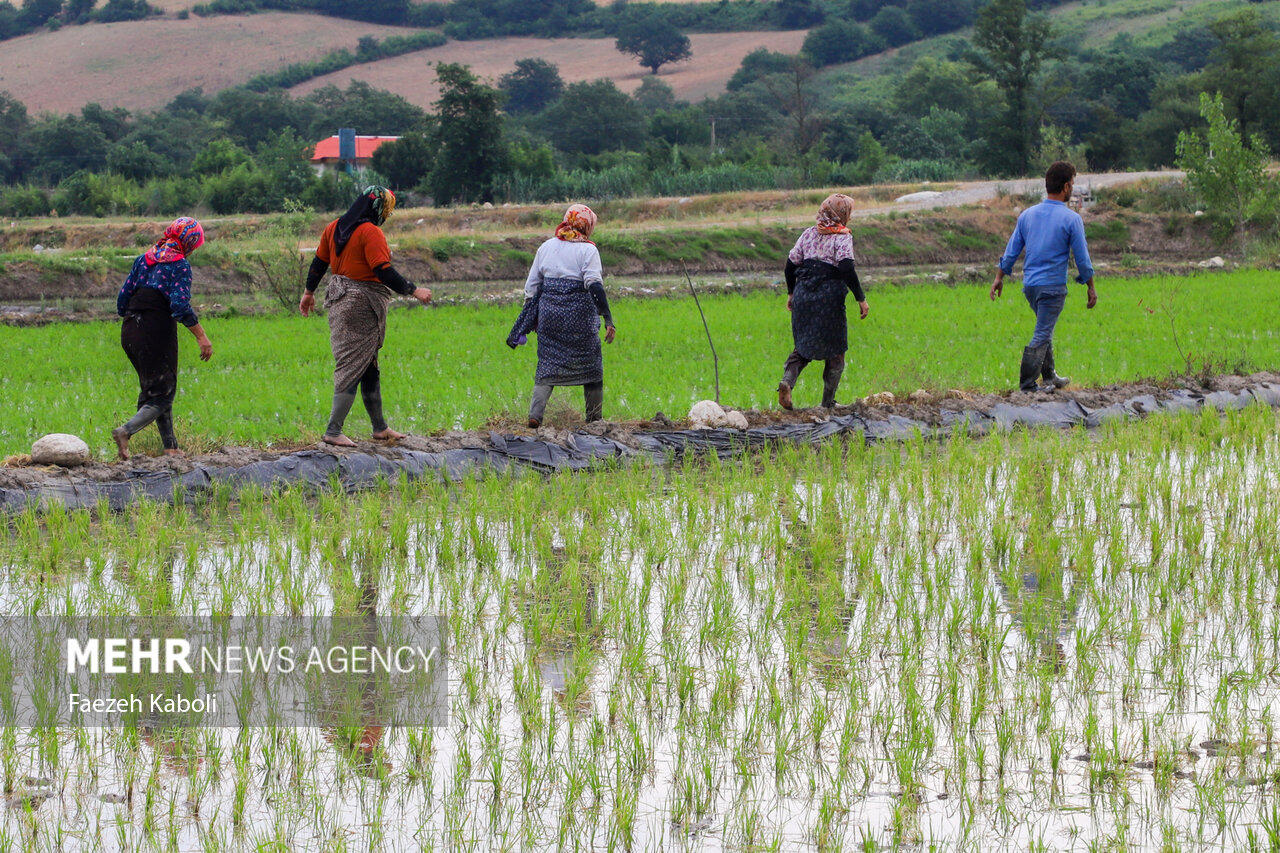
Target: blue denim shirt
1050,232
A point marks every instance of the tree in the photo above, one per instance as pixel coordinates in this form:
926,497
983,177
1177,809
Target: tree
1242,68
1227,174
1013,45
798,14
1120,77
594,117
123,10
937,83
218,156
653,40
78,11
653,95
405,162
137,161
894,25
67,144
36,12
794,98
934,17
14,124
369,110
838,41
760,62
470,151
534,85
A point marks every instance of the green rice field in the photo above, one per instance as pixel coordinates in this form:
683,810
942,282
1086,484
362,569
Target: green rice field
449,368
1035,641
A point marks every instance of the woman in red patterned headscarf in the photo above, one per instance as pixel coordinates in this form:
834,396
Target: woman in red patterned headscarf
154,299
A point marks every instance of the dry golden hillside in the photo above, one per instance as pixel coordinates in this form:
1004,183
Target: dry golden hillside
141,65
715,57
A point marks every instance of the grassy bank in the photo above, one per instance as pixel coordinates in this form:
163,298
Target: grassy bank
270,378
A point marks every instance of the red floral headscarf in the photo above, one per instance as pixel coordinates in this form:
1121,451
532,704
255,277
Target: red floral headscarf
579,222
180,239
833,215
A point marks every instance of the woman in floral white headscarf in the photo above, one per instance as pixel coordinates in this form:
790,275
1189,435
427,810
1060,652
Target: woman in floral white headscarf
819,273
564,301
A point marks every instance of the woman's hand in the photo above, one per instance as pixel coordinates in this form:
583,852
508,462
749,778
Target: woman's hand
788,303
206,348
307,304
609,333
422,294
864,309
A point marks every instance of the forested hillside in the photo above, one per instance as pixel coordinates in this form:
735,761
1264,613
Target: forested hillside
882,90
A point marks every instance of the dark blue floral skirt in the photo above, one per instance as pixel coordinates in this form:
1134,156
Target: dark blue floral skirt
568,329
818,324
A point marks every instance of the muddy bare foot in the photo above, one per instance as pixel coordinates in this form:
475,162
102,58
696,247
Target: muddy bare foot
174,452
122,442
387,434
338,441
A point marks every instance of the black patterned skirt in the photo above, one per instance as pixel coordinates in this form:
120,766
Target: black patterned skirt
818,324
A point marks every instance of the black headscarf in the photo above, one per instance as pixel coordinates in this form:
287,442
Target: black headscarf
374,206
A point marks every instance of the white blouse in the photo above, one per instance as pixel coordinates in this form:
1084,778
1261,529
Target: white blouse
558,258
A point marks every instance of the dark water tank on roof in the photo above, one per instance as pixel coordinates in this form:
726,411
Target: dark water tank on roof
347,144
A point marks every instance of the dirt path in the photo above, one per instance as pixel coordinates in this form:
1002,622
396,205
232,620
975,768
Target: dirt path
506,438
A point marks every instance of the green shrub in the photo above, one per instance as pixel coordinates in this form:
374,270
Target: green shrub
24,201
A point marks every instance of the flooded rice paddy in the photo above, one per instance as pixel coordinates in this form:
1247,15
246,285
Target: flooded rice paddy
1036,641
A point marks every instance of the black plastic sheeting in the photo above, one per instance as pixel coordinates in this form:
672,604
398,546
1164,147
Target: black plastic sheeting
355,470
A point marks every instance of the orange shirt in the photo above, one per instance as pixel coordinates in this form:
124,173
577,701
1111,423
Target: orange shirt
365,251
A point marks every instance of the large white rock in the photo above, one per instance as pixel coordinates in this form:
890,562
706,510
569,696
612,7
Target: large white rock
706,414
60,449
1214,263
926,195
735,420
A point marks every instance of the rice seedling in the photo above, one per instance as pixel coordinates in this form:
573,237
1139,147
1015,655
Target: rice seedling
1030,641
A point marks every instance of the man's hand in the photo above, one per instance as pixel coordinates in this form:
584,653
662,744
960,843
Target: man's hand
609,333
422,294
997,287
788,303
863,308
1093,296
307,303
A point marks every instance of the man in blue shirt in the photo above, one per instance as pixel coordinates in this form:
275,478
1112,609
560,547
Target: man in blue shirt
1050,232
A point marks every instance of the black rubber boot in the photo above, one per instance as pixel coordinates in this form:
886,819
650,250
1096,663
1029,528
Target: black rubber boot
1032,360
832,370
1051,379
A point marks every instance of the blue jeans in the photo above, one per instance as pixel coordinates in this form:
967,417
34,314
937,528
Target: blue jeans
1046,302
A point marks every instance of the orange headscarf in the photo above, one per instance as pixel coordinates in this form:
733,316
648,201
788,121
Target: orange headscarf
579,222
833,215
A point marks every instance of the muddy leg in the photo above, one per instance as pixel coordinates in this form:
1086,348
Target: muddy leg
593,398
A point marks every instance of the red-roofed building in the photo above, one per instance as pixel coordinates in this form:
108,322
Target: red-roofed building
326,153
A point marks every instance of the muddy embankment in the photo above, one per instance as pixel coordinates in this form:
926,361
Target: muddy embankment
459,454
890,245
